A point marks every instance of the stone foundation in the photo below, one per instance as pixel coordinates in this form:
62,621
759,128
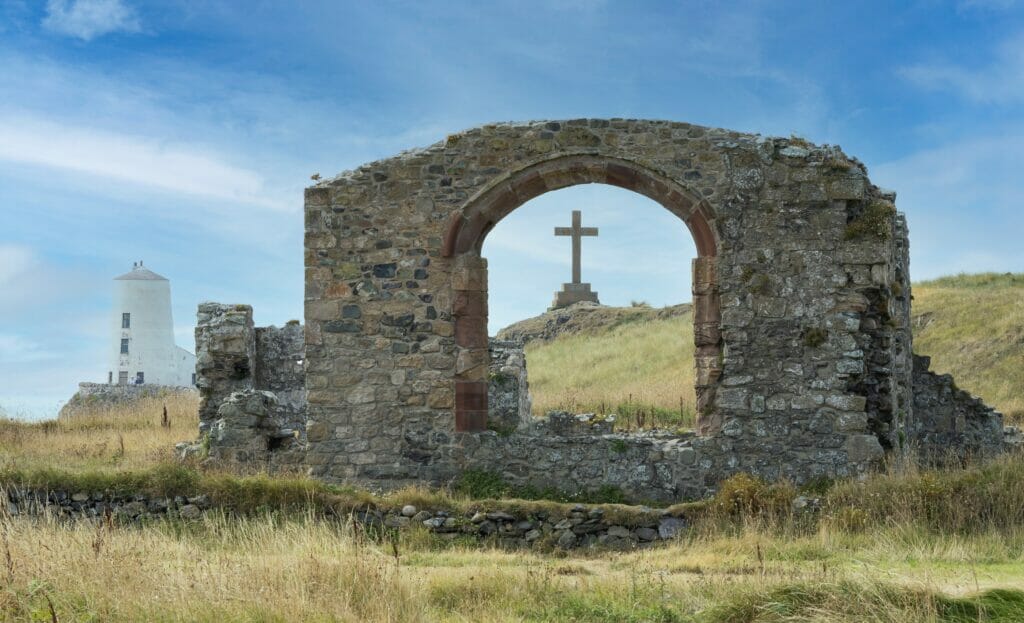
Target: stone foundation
572,293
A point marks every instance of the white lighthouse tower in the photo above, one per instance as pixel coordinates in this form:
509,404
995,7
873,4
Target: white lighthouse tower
142,349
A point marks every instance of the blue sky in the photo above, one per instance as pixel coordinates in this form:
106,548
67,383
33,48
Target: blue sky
182,133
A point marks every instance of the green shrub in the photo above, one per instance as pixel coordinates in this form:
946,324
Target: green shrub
481,484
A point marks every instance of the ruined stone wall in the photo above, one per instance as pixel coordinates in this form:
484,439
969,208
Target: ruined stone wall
251,385
280,368
225,356
793,294
508,394
949,423
801,307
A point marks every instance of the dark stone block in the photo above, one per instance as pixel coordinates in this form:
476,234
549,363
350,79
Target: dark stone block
385,271
405,320
342,326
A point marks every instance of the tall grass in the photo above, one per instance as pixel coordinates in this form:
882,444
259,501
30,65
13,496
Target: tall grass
128,436
905,546
304,569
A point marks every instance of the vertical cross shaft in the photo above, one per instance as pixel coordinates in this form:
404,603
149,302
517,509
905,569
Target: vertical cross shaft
577,232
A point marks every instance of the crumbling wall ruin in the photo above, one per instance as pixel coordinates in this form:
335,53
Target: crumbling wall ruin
508,394
951,424
801,306
252,386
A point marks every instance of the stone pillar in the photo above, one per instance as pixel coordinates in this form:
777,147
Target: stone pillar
225,356
469,307
707,337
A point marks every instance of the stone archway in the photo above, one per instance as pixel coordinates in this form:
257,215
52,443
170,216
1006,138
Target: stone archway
801,306
468,227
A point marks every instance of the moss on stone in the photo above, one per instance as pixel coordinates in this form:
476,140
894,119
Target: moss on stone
874,222
815,337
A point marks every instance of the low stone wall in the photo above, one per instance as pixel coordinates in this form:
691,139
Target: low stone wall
577,526
101,396
565,454
949,422
120,507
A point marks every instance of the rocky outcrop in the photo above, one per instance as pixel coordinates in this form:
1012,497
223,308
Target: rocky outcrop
584,318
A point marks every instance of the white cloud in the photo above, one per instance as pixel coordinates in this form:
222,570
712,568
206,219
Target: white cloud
963,202
87,19
18,350
1000,82
129,158
14,260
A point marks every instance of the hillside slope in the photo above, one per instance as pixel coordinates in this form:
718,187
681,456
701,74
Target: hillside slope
972,326
639,361
634,361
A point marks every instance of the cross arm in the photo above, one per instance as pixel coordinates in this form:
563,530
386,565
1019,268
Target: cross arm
588,231
563,231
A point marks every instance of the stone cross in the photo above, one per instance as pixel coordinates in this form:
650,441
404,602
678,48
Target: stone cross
577,232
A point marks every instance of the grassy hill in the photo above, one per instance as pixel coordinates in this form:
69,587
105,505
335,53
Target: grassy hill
640,364
972,326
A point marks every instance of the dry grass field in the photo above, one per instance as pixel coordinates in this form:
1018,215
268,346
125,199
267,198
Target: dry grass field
299,569
104,438
904,546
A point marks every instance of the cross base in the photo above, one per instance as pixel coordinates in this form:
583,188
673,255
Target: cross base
574,293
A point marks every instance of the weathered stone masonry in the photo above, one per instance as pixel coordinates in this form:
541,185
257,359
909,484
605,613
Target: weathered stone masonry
251,386
801,294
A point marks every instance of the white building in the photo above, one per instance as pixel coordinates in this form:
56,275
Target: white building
142,349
